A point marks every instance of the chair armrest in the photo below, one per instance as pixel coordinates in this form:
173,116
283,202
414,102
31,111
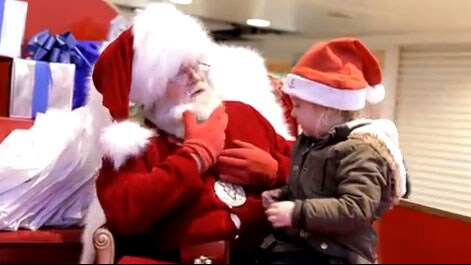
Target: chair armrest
214,252
104,244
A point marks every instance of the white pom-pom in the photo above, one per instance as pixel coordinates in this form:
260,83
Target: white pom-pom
375,94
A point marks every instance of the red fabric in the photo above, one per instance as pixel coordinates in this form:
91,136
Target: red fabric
343,63
286,103
288,108
246,164
416,234
35,247
7,125
112,75
43,236
165,181
87,20
5,77
128,196
139,260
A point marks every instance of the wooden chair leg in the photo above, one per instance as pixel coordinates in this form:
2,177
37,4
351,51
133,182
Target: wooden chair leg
103,242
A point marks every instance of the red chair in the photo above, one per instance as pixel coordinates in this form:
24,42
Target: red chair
214,252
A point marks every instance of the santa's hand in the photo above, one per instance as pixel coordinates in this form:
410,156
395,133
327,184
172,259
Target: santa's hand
246,164
280,214
206,139
270,196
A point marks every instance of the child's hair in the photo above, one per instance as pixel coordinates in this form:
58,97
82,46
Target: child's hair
348,115
341,116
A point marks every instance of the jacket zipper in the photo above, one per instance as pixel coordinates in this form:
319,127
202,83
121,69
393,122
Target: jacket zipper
305,152
323,175
301,166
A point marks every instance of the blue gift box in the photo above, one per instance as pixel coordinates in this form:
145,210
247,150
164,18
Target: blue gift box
64,48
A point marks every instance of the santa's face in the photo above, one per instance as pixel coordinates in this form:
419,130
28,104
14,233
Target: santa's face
188,90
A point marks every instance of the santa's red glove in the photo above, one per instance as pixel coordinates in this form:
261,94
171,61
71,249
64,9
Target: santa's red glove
206,139
246,164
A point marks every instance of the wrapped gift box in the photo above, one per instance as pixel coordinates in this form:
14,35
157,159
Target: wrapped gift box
12,26
37,86
65,49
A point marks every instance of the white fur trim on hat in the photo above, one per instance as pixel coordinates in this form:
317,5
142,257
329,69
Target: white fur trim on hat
164,39
375,94
239,74
123,140
318,93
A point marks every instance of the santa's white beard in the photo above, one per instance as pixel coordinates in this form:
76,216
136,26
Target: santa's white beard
167,114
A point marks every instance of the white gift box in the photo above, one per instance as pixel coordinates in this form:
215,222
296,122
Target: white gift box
12,26
24,87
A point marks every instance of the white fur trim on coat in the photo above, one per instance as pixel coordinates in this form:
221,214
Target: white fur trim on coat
164,39
123,140
240,74
385,131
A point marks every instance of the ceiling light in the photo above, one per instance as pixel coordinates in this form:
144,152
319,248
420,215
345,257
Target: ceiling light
256,22
182,2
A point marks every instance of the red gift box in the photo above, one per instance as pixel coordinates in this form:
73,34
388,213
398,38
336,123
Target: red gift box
5,78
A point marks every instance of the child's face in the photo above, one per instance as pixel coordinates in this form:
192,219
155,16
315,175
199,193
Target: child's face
315,120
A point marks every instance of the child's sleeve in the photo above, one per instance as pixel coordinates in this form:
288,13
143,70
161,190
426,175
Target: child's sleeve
361,174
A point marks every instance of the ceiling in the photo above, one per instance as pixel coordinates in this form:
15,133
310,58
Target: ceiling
315,19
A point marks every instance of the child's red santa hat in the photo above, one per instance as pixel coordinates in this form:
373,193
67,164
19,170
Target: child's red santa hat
137,65
341,74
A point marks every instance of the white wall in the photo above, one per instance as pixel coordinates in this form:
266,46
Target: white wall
292,46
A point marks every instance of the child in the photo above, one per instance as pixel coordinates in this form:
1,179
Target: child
346,172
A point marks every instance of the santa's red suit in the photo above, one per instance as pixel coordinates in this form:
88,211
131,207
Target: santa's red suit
161,194
154,198
286,102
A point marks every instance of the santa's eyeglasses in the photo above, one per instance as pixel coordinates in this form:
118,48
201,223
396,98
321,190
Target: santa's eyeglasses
188,72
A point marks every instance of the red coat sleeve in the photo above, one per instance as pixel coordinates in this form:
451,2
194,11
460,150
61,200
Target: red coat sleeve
137,195
282,154
281,151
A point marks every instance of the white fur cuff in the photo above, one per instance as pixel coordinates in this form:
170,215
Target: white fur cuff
123,140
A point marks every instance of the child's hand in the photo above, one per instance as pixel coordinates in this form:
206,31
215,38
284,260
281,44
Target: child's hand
280,214
270,196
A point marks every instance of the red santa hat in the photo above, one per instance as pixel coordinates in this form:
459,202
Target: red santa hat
341,74
137,65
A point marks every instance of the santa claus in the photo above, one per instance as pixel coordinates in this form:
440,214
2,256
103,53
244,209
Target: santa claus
214,137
